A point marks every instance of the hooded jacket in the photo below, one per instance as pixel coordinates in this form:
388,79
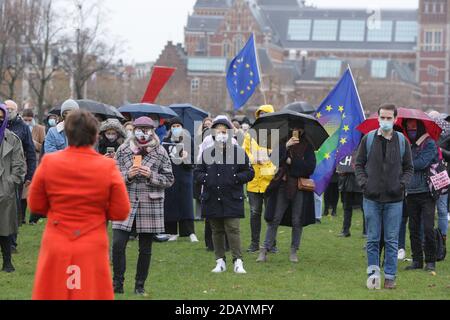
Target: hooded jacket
264,172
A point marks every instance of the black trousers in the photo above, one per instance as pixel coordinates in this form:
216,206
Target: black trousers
5,245
421,210
120,241
331,197
183,228
349,199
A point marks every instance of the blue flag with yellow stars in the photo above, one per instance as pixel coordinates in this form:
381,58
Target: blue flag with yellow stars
243,75
340,113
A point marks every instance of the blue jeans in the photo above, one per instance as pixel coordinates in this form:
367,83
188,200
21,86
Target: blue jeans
442,209
391,215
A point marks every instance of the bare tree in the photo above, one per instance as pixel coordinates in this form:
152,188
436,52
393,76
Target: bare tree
86,51
42,41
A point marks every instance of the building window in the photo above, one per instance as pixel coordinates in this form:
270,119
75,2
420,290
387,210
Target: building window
195,84
299,30
381,33
433,40
352,30
406,31
432,89
433,71
379,69
328,68
238,44
325,30
227,49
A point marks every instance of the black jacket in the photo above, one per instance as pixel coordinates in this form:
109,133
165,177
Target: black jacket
384,180
223,182
19,127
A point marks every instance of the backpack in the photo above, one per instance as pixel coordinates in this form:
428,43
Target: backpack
441,249
401,138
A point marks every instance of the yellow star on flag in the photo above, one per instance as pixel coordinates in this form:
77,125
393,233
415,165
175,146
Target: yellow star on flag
343,141
329,108
242,91
346,128
327,156
341,109
318,115
247,66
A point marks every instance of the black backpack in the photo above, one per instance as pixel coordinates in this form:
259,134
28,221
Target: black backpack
441,249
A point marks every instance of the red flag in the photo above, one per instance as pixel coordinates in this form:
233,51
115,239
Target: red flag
159,79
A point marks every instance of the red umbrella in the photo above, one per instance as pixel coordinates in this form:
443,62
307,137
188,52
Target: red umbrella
431,127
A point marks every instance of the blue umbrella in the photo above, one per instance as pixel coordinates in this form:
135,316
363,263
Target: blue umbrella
189,114
142,109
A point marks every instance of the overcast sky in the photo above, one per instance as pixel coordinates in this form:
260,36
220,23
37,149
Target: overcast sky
146,25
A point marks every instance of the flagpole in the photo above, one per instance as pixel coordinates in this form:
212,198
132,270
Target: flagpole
357,92
259,69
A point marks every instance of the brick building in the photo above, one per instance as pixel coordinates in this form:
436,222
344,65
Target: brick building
396,55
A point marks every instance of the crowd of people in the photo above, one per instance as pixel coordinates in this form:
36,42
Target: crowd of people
149,179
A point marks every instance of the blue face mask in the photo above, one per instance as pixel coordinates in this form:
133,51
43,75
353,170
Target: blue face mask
386,126
412,134
177,132
52,122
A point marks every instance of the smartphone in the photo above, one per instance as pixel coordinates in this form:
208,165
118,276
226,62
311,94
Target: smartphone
110,150
137,161
295,134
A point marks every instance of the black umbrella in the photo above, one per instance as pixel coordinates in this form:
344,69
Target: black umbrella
300,107
287,120
94,107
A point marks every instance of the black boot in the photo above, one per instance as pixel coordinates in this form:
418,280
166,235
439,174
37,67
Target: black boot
139,288
5,245
118,286
415,266
430,266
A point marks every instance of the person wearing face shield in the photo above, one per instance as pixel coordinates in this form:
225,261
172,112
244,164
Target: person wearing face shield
178,204
112,135
223,172
383,170
16,125
147,171
12,162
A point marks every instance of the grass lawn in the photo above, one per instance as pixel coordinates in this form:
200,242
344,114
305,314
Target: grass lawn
329,268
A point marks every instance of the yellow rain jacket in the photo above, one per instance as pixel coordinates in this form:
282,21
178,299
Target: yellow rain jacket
264,172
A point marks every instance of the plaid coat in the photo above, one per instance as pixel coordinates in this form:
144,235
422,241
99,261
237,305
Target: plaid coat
146,195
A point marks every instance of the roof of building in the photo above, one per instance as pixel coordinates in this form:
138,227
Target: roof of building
213,4
343,29
203,23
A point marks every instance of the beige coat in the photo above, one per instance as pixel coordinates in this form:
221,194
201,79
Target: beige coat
12,174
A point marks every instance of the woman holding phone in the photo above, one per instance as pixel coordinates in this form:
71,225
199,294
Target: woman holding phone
178,205
288,203
147,171
112,135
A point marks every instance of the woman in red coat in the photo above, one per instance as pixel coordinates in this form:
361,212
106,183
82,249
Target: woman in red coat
79,191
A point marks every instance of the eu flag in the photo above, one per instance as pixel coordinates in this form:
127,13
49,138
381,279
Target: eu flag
340,113
243,75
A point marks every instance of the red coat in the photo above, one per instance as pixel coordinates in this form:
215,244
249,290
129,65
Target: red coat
79,191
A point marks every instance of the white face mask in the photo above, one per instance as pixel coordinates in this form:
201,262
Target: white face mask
222,137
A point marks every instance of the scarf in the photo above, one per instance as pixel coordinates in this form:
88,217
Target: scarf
143,149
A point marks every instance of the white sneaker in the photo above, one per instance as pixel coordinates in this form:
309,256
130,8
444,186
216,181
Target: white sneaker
239,267
220,267
193,238
173,237
401,254
374,280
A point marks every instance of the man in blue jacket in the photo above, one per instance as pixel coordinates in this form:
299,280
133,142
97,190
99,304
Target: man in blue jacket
20,129
56,138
